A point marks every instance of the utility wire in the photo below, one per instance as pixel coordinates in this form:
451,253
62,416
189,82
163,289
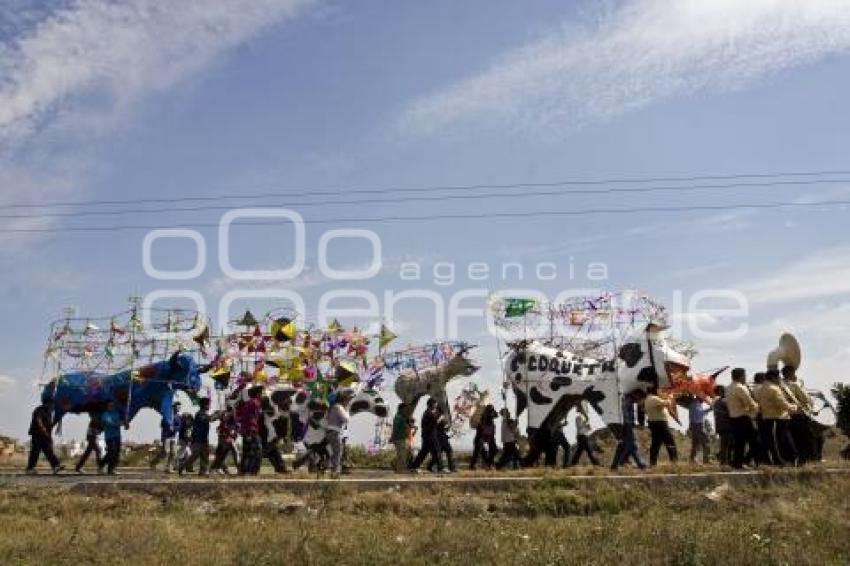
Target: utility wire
307,192
461,216
430,198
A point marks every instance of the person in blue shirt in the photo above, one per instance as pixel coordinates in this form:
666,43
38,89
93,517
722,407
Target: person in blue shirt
696,430
111,421
627,446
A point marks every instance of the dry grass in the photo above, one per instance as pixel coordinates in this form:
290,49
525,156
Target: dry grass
801,519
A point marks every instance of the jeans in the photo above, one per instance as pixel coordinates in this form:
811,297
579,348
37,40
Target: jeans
661,436
699,442
40,445
627,448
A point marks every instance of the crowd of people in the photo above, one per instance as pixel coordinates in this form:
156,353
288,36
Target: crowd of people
763,422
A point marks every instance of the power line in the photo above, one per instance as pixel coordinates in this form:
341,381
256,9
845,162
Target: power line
430,198
385,190
462,216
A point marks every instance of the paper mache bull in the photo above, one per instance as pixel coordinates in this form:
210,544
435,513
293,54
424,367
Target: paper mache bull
150,386
548,382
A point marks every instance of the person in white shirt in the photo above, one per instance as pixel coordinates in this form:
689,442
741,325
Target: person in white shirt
583,440
337,422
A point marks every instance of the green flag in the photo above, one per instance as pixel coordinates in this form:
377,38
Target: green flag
515,307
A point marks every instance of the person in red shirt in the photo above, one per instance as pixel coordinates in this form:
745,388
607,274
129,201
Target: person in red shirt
248,414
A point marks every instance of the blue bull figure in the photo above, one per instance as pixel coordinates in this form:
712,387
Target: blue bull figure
152,386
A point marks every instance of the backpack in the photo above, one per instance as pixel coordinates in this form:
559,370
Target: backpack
475,417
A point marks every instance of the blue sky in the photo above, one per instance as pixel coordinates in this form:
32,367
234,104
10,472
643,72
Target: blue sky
102,100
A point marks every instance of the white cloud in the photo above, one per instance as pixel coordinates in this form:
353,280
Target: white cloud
6,381
820,275
644,51
71,72
121,50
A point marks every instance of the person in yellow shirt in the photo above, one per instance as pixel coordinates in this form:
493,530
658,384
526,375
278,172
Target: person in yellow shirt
800,426
776,412
657,408
742,409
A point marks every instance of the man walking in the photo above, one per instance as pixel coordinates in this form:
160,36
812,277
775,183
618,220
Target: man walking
92,432
657,408
200,439
430,442
111,420
41,439
697,432
627,444
399,439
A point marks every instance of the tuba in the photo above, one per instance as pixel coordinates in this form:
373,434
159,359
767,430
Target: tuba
788,352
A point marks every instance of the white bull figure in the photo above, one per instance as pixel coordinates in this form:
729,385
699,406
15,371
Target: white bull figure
548,382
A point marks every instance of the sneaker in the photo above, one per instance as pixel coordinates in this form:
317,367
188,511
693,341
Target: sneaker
58,469
30,472
80,471
413,470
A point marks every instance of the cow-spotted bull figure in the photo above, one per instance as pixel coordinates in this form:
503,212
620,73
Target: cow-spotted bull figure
286,400
548,382
412,385
150,386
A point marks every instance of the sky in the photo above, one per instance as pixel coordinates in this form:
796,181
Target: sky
308,103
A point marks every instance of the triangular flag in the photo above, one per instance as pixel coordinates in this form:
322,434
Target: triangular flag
334,326
283,329
386,336
247,319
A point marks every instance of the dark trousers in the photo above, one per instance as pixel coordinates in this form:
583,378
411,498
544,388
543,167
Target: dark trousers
275,457
38,446
113,454
801,432
200,451
252,455
91,446
627,448
782,449
583,447
661,436
559,440
765,437
540,442
430,447
509,457
743,436
222,451
445,448
727,448
483,446
316,457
